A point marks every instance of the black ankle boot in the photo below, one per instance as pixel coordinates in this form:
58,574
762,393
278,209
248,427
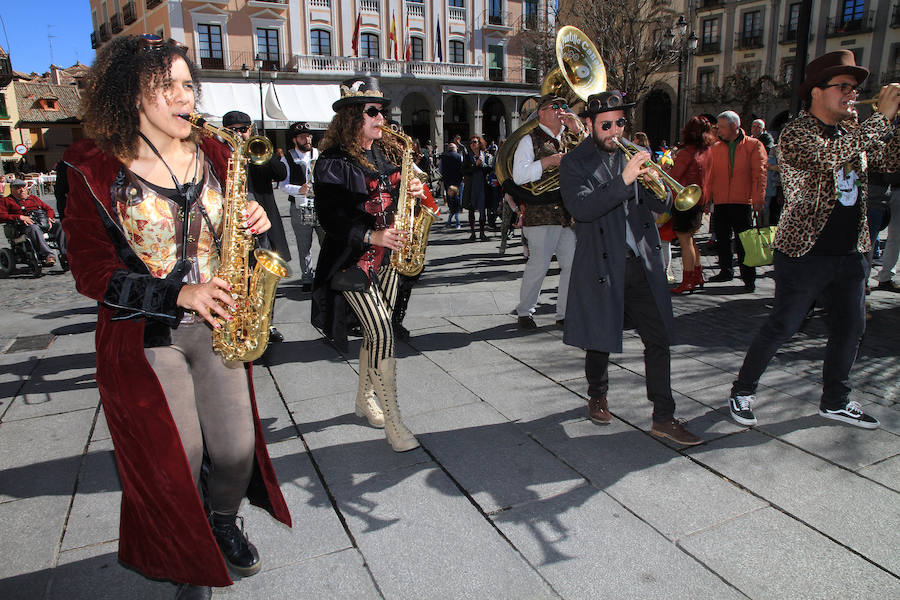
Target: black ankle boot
187,591
240,555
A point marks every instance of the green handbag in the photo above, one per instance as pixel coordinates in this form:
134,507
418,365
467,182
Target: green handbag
757,243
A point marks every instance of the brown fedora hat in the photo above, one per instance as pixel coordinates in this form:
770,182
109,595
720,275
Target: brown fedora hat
823,68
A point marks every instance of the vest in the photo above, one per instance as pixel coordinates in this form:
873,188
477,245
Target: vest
297,169
546,209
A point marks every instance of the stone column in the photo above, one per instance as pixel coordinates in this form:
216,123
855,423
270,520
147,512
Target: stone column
477,124
437,132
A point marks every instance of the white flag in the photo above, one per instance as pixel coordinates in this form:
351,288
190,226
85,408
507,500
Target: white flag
273,106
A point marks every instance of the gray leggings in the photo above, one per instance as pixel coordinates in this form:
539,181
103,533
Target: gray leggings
210,403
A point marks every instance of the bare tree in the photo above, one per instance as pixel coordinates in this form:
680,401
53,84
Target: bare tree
631,36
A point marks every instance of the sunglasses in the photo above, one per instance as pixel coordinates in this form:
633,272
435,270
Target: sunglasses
373,112
151,42
607,125
557,106
846,88
474,142
240,128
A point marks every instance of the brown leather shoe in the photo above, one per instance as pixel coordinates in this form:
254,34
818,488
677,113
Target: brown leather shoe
598,411
675,431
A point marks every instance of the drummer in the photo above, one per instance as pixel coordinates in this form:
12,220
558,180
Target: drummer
299,159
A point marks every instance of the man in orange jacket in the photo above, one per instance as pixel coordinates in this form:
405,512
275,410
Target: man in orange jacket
736,181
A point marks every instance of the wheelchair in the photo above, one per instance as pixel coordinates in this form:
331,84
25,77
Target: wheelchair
22,252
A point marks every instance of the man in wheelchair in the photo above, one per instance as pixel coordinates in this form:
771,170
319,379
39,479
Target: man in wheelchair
27,214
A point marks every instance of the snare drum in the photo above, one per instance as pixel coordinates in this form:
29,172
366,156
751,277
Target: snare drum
307,216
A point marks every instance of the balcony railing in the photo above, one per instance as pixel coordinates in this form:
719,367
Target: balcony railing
104,32
495,74
787,35
115,23
710,47
370,6
233,61
457,13
129,14
95,40
746,40
711,3
341,65
151,4
895,16
704,95
6,146
415,9
838,26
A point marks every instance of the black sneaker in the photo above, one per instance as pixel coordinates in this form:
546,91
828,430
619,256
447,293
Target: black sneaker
850,413
739,406
240,555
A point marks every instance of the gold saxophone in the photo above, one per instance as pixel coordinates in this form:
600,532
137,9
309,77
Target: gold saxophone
410,258
243,338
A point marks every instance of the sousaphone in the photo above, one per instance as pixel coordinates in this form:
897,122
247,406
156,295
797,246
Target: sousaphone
580,74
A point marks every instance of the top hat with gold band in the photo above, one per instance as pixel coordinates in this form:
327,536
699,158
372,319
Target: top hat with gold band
360,90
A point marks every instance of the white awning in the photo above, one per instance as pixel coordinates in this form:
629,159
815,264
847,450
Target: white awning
310,102
490,91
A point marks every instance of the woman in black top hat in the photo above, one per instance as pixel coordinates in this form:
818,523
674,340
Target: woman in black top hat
356,182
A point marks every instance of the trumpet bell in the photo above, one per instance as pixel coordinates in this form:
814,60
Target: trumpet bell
687,197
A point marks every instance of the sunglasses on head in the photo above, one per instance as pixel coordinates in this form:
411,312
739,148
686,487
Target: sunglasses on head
240,128
846,88
373,111
607,125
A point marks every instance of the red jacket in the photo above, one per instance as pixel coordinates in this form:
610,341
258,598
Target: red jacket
10,209
746,184
163,531
690,166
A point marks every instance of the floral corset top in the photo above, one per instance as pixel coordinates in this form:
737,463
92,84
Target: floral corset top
153,221
381,205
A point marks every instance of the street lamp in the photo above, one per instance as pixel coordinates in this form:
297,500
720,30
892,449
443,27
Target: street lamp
686,47
245,71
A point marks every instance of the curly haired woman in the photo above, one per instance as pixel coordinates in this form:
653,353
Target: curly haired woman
144,222
356,181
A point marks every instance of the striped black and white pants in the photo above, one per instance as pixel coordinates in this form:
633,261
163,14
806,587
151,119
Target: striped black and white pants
373,308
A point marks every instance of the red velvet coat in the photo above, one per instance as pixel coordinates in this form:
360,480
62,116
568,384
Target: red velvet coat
163,530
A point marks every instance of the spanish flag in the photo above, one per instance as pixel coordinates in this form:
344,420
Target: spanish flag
393,36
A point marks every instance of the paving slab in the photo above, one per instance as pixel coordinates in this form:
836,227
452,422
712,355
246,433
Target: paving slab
518,392
94,517
33,527
316,529
423,539
332,576
42,456
634,468
766,554
833,500
887,472
587,545
95,573
510,467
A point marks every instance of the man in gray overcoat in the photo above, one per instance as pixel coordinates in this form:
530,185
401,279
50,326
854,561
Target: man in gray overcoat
618,267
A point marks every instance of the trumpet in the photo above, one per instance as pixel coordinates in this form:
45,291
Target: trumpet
686,196
873,102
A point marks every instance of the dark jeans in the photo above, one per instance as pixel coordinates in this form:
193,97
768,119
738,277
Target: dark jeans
732,218
840,282
640,309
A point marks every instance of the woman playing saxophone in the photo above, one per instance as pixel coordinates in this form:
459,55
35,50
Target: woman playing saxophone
144,222
357,186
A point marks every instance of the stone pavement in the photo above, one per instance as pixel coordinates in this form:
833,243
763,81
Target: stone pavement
514,493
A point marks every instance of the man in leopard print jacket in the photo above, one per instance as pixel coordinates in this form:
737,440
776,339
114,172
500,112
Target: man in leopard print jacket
823,235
